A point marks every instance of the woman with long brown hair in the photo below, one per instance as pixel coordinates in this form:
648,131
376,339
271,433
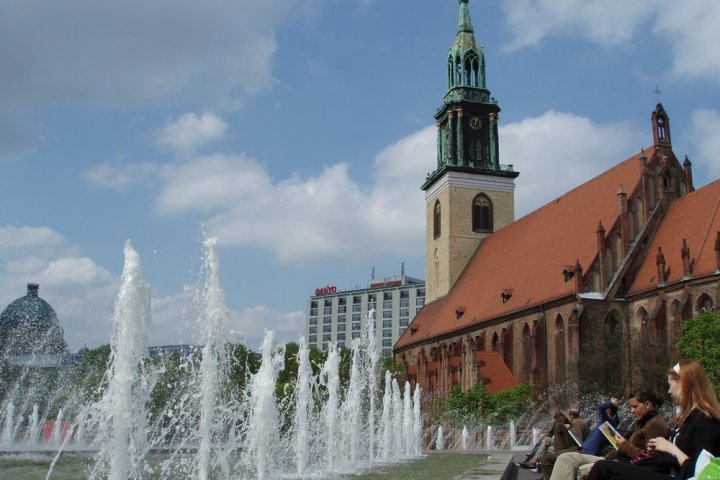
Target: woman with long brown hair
698,429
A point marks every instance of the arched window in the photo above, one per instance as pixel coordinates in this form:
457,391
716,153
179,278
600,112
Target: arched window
609,264
495,342
458,71
508,341
527,349
642,319
560,348
613,341
436,220
482,214
596,281
705,303
651,192
471,69
451,75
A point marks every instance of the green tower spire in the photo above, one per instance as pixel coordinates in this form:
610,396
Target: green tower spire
464,25
467,121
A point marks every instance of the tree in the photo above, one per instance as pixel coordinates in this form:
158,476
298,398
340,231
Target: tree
700,341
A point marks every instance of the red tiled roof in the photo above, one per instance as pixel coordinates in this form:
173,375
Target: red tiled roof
499,375
694,217
528,256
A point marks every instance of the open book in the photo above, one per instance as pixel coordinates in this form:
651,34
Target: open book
609,431
575,438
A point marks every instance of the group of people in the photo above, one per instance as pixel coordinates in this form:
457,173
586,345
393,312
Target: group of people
651,451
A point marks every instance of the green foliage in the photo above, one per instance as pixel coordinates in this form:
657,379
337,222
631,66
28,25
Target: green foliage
387,363
478,406
88,376
700,341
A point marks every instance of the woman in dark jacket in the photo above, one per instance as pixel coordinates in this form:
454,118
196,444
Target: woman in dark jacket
699,428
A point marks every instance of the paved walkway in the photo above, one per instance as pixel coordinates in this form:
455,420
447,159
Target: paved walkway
519,472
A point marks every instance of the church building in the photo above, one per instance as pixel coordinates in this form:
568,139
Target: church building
575,290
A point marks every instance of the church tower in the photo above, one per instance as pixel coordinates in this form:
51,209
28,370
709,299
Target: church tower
470,194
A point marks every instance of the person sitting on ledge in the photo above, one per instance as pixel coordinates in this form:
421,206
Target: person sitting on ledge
540,448
699,429
562,439
643,405
596,441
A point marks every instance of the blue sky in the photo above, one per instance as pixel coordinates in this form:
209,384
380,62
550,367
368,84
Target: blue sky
298,132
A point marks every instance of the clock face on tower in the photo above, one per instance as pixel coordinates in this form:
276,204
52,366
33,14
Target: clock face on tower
475,123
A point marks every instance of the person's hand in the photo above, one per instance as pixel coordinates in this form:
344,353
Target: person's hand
661,445
619,439
615,401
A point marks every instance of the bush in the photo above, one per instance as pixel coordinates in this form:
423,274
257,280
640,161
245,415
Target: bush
478,406
700,341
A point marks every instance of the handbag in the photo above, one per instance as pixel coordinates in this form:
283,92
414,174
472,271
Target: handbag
660,462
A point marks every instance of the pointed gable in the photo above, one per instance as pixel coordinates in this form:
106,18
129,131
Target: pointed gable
694,218
527,257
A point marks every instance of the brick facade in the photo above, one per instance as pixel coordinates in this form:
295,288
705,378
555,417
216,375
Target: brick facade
578,289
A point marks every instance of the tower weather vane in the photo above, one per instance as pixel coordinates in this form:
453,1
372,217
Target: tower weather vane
657,93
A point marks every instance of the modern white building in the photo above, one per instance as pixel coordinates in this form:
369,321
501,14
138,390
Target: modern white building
340,316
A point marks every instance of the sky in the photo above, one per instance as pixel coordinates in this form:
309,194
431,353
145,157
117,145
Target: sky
298,132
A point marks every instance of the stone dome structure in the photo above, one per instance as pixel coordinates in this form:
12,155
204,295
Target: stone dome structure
29,326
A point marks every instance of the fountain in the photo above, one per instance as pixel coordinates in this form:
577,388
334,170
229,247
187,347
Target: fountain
320,426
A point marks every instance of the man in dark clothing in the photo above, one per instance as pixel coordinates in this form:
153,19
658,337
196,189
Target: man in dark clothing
596,441
562,442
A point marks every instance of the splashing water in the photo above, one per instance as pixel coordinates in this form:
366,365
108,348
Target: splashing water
320,427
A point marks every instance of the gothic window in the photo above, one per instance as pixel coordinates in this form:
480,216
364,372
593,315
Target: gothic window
458,71
451,75
642,317
495,342
436,219
560,348
651,192
618,249
527,354
612,346
595,281
508,347
609,264
661,126
471,69
482,214
705,303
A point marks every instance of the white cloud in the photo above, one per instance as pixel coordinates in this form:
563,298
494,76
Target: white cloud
175,319
213,182
120,176
28,237
556,152
190,131
608,22
690,27
331,216
704,134
135,52
255,320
